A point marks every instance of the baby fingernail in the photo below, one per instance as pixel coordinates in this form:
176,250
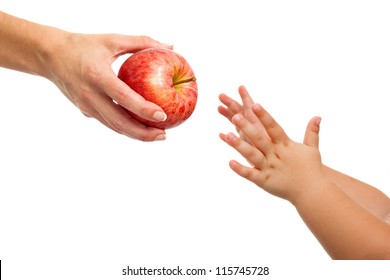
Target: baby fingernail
230,136
159,116
236,118
256,106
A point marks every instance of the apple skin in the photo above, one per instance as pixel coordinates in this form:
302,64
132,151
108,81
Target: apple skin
165,78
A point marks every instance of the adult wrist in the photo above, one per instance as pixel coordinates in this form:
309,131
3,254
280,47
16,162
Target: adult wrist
47,48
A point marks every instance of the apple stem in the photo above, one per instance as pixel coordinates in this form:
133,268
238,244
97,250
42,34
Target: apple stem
193,79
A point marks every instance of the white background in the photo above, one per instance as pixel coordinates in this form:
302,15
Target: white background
78,201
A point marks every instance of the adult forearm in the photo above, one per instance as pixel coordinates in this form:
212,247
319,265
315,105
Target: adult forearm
24,44
344,228
365,195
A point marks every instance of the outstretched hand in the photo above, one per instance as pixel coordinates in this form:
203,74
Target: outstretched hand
279,165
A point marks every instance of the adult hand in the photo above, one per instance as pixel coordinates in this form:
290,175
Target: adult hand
80,66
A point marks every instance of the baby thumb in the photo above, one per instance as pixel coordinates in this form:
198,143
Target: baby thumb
312,137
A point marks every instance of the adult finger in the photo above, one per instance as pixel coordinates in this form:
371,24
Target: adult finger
131,44
92,113
120,120
121,93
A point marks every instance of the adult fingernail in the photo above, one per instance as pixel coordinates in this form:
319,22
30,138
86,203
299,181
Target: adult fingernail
160,137
159,116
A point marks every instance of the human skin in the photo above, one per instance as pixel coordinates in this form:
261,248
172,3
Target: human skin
348,217
80,66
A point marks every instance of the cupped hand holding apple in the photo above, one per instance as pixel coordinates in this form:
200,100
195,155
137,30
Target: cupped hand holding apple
80,65
165,78
85,76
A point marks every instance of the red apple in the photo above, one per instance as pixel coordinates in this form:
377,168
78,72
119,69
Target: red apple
165,78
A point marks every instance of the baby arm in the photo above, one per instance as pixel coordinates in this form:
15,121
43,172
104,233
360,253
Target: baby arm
294,171
369,197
